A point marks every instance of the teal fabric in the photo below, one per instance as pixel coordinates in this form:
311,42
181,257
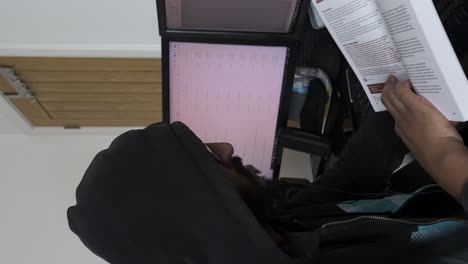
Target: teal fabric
385,205
434,232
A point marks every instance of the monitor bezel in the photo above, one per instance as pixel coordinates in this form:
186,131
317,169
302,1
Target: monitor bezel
233,35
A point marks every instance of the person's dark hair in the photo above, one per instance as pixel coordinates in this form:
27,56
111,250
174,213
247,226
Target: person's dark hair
257,195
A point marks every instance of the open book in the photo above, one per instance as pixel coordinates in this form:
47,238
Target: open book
402,37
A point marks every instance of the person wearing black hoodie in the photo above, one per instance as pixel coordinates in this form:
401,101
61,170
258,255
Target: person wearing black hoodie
160,195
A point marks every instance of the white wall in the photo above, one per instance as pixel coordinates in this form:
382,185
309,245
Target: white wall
107,28
40,168
6,125
38,178
11,121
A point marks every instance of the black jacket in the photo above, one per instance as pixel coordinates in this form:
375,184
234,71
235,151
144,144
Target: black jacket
158,196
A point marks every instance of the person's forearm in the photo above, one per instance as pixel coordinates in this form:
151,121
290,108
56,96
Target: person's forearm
429,135
449,167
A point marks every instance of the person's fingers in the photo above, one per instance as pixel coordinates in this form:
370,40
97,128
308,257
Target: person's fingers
405,94
389,99
414,102
398,130
391,81
389,85
420,104
423,101
396,101
388,104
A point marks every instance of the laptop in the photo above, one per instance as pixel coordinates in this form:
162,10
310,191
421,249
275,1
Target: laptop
229,79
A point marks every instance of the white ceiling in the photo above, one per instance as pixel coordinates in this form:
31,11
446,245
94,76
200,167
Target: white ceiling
86,28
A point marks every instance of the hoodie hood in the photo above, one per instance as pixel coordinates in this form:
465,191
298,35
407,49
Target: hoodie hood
158,196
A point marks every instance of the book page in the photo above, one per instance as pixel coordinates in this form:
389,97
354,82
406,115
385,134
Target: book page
420,38
359,30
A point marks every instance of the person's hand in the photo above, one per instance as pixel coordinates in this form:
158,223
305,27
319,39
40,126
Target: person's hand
431,138
425,131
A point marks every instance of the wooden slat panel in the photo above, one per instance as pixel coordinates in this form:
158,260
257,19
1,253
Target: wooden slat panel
100,106
95,92
104,115
81,64
95,87
94,77
30,108
5,87
101,97
93,123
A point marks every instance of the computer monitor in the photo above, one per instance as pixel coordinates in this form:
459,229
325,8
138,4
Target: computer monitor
229,93
273,16
265,20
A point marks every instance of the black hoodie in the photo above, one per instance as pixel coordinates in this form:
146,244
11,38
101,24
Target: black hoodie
157,196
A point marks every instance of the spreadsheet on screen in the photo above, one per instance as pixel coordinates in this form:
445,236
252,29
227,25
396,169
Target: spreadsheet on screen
229,93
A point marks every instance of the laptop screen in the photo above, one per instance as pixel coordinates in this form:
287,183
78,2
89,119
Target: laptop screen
229,93
269,16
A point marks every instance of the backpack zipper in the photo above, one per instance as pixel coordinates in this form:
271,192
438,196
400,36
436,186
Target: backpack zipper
391,220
